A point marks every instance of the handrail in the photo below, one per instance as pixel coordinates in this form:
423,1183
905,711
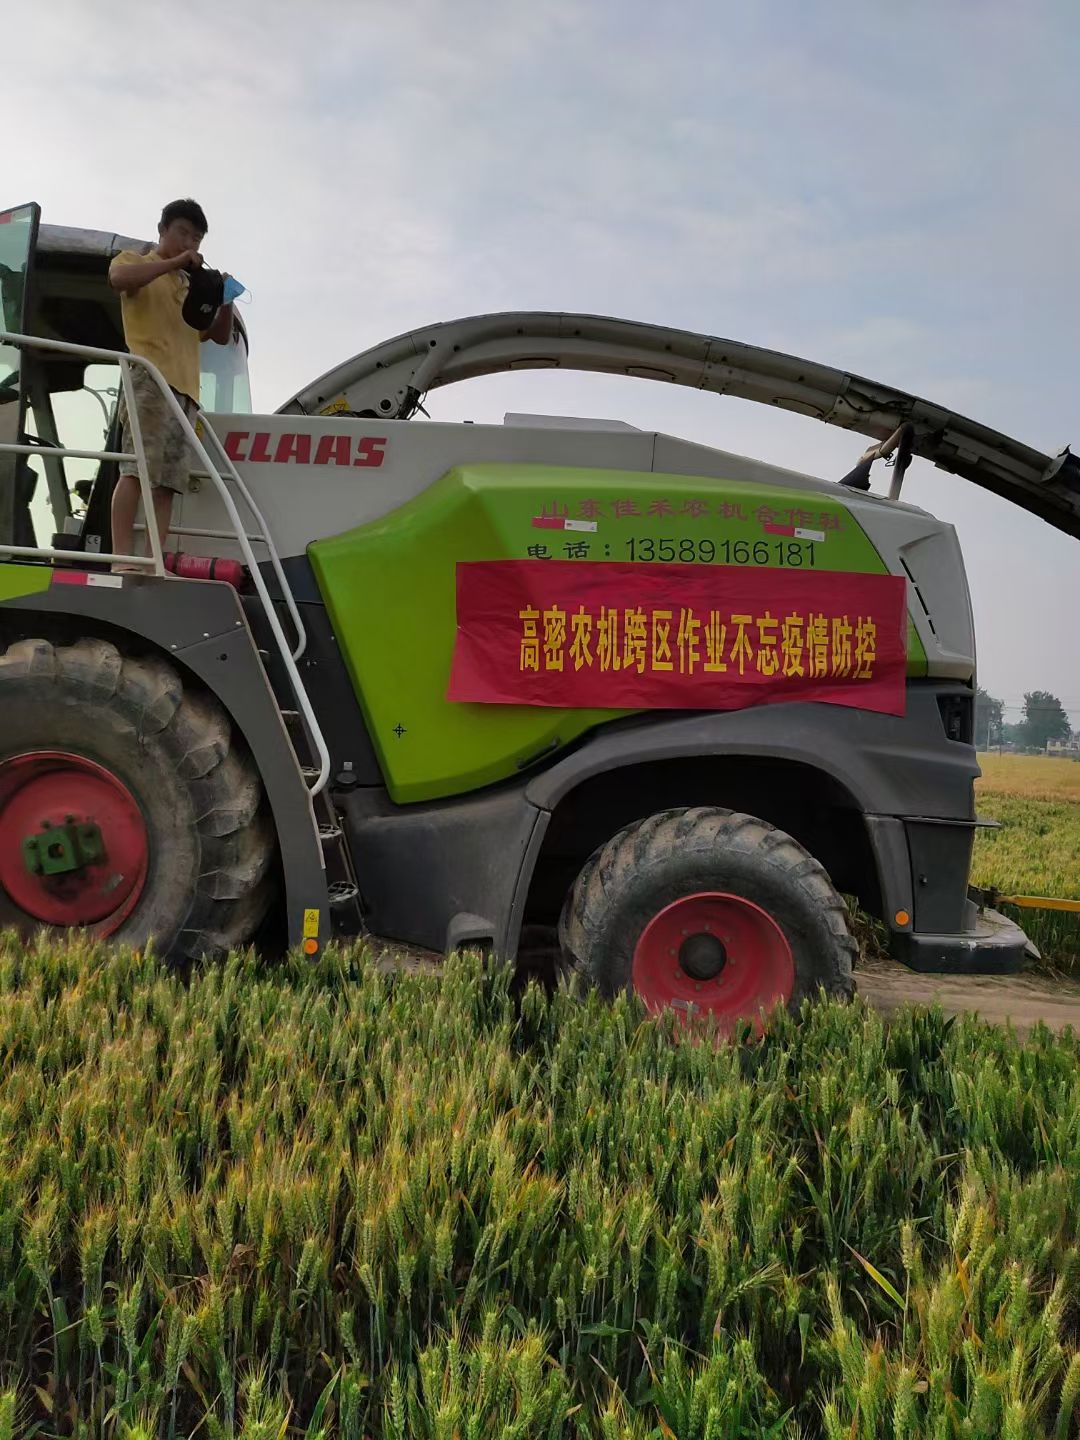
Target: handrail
267,540
157,559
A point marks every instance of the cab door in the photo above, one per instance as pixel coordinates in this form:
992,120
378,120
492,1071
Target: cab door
18,241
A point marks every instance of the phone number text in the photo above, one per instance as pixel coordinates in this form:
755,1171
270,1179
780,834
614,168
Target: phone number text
798,554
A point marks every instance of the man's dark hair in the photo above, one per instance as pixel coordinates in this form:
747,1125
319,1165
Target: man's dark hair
188,210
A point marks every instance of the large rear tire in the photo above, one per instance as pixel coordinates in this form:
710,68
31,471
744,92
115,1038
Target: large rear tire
709,912
90,737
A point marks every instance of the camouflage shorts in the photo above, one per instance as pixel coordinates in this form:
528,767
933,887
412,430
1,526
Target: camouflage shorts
168,458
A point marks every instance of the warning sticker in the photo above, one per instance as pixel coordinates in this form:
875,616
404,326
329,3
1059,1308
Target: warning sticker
85,577
311,924
560,522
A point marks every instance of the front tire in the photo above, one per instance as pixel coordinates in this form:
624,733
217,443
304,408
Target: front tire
708,911
155,814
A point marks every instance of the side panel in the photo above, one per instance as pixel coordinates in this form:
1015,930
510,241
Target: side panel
436,873
889,765
17,581
389,587
442,874
940,604
202,626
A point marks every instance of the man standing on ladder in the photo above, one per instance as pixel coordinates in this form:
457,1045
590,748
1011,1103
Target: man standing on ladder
153,287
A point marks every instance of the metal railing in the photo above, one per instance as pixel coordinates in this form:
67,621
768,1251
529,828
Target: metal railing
155,561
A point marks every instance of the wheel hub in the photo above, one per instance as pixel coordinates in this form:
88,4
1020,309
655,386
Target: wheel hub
73,844
714,954
703,955
60,849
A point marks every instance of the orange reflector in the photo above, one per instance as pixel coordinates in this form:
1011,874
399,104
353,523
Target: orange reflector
902,917
310,947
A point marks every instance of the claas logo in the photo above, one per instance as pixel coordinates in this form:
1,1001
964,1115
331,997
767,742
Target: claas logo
259,447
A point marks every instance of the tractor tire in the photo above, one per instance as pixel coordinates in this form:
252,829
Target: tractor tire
709,912
116,747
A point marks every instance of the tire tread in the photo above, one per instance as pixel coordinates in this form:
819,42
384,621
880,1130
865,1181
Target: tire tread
236,837
650,843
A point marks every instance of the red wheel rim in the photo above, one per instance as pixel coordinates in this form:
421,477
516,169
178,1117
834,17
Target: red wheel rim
714,954
54,788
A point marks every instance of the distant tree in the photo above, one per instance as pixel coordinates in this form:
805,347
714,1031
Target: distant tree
1013,735
988,716
1044,719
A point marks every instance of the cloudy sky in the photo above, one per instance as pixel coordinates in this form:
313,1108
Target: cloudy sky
886,188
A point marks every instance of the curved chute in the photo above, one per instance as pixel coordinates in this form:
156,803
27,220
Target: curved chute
391,379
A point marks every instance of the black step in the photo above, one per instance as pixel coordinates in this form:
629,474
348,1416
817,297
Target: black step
341,894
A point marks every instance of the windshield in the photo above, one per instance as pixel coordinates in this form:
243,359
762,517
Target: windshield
223,379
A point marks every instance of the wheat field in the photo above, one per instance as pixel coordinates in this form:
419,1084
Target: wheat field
1038,777
1037,850
325,1202
330,1203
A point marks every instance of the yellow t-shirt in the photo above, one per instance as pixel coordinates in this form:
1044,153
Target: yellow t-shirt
154,327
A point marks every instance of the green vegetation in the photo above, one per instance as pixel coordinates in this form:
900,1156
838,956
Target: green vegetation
268,1202
1037,850
1036,777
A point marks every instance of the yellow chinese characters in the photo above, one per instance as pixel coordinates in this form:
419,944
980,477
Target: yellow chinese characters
686,641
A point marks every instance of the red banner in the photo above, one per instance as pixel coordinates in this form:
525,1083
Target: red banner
608,635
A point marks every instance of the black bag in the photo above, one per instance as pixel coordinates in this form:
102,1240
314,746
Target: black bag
206,292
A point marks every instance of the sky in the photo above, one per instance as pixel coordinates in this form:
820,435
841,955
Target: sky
887,189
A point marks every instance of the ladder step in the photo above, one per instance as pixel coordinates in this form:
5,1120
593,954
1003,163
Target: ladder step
309,772
342,893
329,834
291,717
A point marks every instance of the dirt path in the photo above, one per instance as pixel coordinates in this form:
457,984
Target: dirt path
1021,999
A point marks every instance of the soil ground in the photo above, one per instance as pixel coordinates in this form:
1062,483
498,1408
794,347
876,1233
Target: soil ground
1021,1000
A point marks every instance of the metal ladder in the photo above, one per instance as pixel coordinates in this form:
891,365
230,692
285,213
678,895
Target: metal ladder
301,723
